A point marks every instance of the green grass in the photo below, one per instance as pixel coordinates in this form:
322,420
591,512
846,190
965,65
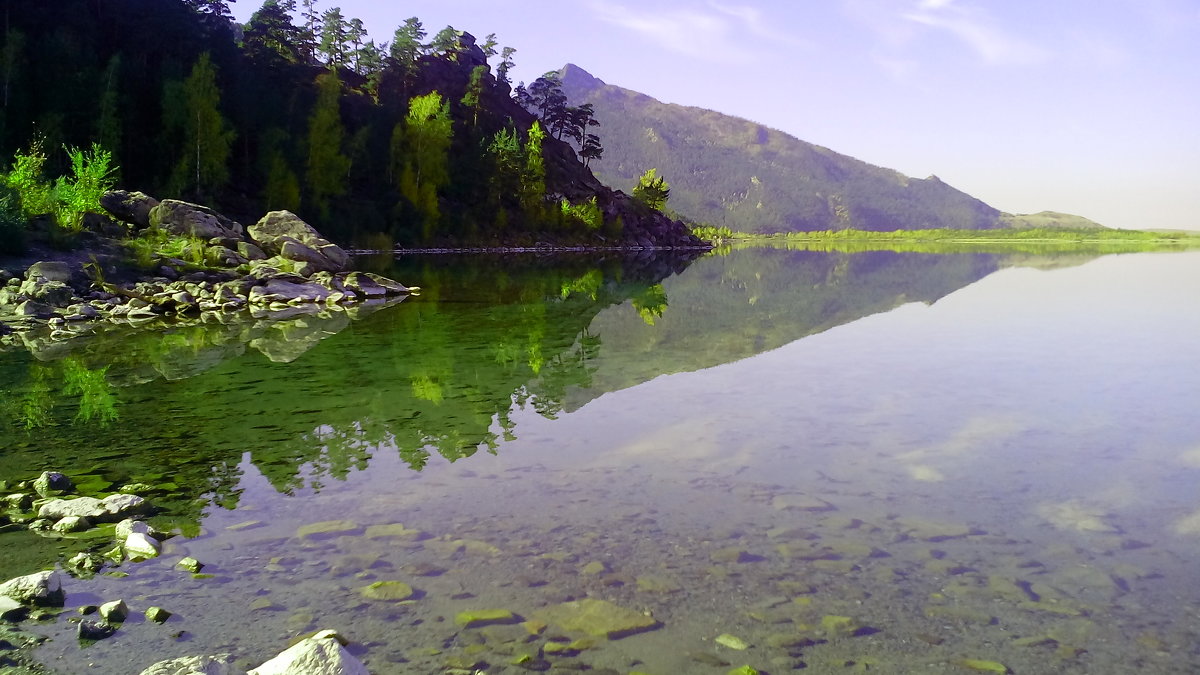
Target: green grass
944,240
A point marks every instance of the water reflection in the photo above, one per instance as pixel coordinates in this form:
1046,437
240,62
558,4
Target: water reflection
312,397
991,474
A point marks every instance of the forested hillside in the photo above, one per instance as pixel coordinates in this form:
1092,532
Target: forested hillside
407,138
730,172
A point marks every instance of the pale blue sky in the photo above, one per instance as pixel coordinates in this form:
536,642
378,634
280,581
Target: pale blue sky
1084,106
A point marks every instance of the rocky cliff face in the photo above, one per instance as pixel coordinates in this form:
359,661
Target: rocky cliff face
735,173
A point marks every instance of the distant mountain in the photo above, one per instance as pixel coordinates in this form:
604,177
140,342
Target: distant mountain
731,172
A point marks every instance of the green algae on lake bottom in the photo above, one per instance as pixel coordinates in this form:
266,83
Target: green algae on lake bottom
935,489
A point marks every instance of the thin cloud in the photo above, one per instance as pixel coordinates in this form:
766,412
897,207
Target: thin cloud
975,28
717,33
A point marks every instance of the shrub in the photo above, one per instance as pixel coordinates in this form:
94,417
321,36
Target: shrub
91,176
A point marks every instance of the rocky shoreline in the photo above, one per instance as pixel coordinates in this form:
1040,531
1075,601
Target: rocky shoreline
51,504
278,265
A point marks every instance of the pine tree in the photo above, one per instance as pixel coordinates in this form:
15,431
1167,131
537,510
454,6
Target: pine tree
333,37
208,137
506,64
270,33
445,43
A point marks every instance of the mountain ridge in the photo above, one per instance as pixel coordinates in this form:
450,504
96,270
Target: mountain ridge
732,172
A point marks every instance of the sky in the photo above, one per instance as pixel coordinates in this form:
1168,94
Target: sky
1089,107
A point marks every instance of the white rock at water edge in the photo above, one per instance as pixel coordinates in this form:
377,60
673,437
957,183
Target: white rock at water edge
321,654
195,665
33,588
139,545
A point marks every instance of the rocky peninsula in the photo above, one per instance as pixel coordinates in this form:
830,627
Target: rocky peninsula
278,267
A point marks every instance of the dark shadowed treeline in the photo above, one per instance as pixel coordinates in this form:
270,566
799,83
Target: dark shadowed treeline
408,137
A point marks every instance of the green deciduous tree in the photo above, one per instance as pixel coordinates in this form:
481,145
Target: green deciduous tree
327,164
428,131
533,178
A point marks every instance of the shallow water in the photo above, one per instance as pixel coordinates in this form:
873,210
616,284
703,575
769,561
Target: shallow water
873,462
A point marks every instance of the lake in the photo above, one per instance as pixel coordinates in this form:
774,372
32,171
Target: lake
850,462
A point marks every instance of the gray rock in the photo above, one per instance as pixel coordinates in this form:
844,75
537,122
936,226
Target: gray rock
221,664
179,217
34,309
115,611
250,251
130,526
40,588
54,293
86,563
52,484
72,524
86,507
95,630
11,610
123,506
287,292
273,232
130,207
138,545
290,249
321,654
49,270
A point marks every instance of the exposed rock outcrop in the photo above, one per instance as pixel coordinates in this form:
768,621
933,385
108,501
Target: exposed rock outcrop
286,264
184,218
129,207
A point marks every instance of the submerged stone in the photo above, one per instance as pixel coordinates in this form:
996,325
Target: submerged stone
930,530
984,666
157,614
394,530
800,502
484,617
387,591
732,642
327,528
598,618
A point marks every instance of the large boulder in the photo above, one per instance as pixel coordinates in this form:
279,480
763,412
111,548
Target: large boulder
284,234
129,207
40,588
321,654
83,507
49,270
184,218
221,664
